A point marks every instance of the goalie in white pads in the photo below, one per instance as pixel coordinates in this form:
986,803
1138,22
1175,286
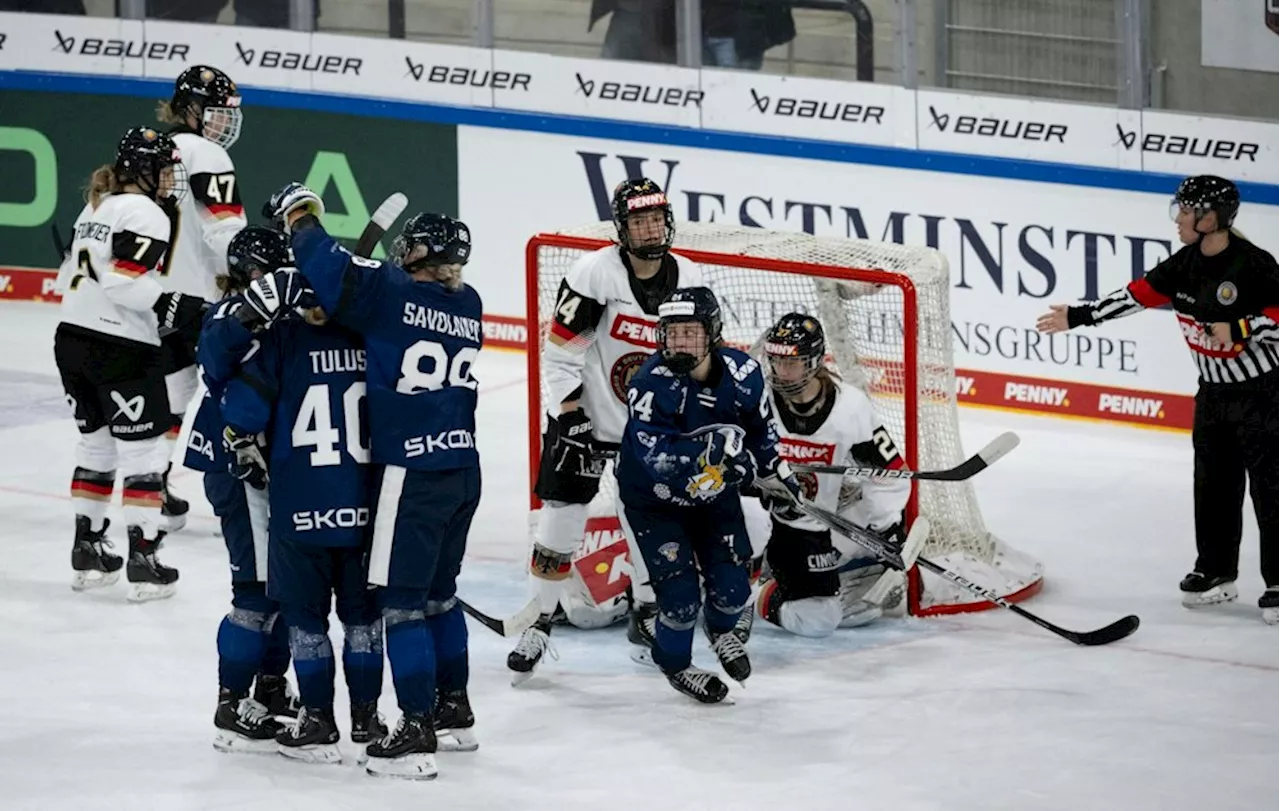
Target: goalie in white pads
813,586
603,329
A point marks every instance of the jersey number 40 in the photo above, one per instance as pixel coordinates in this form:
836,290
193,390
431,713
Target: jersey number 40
314,426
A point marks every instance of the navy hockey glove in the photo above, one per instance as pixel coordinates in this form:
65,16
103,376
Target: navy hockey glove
288,199
247,463
725,451
270,297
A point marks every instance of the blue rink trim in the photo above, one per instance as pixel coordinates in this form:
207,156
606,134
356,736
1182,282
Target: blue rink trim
891,157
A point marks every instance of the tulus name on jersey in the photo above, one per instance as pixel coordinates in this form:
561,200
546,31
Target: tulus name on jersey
329,361
418,316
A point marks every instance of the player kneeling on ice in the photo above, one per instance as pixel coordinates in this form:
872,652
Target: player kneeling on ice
699,423
304,388
422,329
813,587
253,641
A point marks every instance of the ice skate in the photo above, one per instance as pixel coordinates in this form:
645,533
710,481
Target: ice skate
455,722
407,753
641,627
534,643
366,723
243,725
729,649
312,738
1267,602
94,566
172,508
274,693
701,685
1199,590
149,579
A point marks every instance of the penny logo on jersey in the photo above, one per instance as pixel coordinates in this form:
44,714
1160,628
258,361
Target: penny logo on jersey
800,451
639,332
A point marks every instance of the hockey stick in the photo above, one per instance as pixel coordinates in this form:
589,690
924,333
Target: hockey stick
970,467
885,551
511,626
382,218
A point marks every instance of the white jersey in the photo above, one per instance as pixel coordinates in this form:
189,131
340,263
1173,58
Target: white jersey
601,334
209,215
850,434
110,281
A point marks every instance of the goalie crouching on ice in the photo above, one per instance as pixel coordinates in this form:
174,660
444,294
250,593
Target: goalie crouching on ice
811,586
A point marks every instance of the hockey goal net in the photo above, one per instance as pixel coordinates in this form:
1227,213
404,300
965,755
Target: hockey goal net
885,309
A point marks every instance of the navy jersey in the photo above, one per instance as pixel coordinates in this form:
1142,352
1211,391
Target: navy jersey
305,388
224,345
421,341
669,417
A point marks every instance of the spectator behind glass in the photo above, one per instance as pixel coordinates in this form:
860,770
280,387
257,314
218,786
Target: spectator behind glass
196,11
735,33
44,6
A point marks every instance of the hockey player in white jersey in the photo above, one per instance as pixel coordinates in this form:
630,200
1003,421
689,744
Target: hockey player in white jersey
107,347
813,587
204,117
603,329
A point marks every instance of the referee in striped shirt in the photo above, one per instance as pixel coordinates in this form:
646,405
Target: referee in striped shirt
1223,289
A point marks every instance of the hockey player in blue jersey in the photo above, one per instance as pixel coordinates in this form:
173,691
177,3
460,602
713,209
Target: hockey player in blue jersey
700,423
305,390
251,638
422,331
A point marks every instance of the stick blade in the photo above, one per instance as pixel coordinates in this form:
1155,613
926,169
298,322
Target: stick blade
517,623
999,446
390,210
1112,633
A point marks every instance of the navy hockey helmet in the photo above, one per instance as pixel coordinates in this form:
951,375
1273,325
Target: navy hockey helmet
797,336
632,196
256,248
429,240
689,304
1205,193
213,98
142,157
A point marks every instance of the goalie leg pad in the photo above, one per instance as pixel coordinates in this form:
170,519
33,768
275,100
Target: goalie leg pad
814,617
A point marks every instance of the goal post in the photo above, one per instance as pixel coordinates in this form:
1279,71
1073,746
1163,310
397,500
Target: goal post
886,313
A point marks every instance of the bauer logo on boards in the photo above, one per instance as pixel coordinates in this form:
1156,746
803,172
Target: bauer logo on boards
1169,144
458,75
308,63
638,93
789,107
993,127
126,48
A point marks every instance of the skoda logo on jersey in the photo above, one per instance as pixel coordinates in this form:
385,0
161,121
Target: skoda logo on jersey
1227,293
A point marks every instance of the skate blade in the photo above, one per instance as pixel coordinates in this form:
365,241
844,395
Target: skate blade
235,744
456,740
147,592
1226,593
93,579
420,766
642,656
322,753
173,523
518,678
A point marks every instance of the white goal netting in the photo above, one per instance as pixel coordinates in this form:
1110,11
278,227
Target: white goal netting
885,309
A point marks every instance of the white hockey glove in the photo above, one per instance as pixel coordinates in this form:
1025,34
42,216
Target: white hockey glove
247,462
781,491
291,198
269,297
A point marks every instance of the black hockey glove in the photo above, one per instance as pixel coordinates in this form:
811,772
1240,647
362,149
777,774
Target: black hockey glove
780,492
573,449
247,462
178,312
270,297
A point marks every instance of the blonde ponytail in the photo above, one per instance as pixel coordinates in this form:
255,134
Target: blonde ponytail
165,114
102,181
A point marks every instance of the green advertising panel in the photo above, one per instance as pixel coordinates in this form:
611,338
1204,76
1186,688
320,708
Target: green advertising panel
51,142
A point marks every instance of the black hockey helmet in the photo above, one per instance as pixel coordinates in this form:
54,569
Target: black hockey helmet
1205,193
256,248
686,304
429,240
642,194
215,100
795,335
142,156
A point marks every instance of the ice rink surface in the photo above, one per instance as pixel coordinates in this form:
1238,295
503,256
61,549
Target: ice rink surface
104,704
